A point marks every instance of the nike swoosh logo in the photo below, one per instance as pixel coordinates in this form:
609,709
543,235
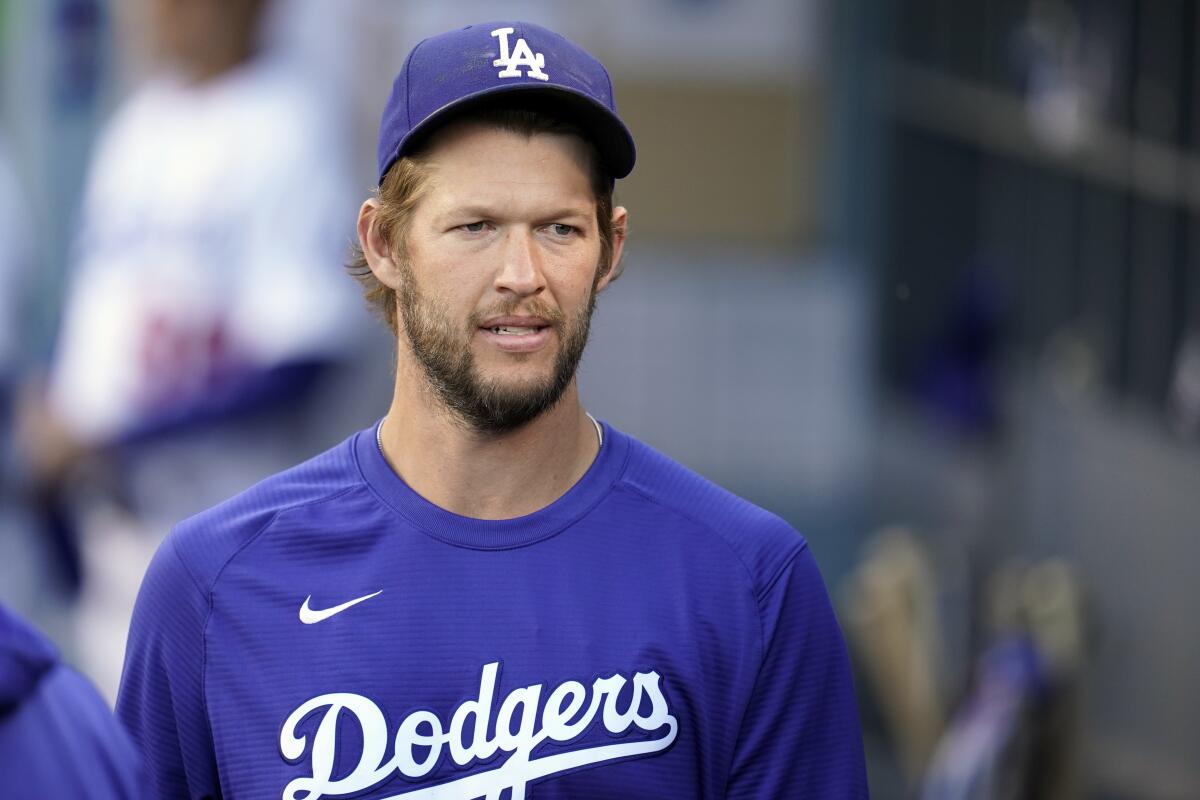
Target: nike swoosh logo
310,615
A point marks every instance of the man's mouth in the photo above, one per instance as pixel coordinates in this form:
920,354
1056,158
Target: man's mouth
512,330
517,333
515,324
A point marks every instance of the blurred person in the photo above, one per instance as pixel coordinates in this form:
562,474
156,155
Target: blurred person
58,739
14,268
206,301
17,552
490,592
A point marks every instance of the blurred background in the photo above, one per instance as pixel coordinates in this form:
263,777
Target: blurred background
947,251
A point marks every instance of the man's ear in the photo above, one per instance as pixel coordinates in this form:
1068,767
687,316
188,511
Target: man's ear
620,225
375,248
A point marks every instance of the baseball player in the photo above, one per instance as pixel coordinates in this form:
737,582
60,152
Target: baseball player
490,593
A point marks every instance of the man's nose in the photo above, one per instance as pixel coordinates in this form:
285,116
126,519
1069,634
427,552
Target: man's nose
521,271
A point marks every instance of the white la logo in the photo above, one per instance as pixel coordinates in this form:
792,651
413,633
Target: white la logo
521,56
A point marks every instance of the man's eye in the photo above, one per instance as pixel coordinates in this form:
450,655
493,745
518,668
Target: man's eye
473,227
559,229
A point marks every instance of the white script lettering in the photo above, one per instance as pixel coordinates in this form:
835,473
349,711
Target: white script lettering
421,738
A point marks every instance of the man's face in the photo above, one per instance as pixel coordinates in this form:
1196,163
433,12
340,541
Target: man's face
501,273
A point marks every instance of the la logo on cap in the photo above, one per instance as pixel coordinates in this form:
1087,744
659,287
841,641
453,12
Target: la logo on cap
521,56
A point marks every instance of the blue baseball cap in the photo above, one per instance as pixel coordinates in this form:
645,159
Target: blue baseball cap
517,60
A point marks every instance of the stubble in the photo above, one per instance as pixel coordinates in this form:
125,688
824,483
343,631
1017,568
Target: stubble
444,351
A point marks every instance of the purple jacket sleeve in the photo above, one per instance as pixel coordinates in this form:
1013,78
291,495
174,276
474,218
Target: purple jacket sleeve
161,699
800,736
58,739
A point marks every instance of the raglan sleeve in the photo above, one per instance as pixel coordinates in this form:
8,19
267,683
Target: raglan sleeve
800,736
161,697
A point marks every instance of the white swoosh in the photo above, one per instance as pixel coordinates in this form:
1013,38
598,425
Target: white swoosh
310,615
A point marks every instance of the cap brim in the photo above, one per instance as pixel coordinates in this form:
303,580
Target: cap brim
612,139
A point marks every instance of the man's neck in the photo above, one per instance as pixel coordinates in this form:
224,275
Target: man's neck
486,476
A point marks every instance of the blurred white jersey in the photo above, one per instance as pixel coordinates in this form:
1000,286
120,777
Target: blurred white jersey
213,229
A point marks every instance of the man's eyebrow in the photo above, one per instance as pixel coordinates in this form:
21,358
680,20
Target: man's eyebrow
492,212
568,212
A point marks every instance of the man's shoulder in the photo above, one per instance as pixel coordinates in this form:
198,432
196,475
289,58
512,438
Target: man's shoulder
763,541
206,541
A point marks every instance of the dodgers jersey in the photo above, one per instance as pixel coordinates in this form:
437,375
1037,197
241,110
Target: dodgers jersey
331,634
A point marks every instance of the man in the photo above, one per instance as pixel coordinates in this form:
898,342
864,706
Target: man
490,593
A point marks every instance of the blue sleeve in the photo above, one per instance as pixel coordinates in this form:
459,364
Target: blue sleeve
161,699
247,394
800,736
64,742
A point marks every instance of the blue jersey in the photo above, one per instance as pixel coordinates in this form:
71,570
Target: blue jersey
332,634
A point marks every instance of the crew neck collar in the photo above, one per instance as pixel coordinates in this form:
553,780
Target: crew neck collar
488,534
